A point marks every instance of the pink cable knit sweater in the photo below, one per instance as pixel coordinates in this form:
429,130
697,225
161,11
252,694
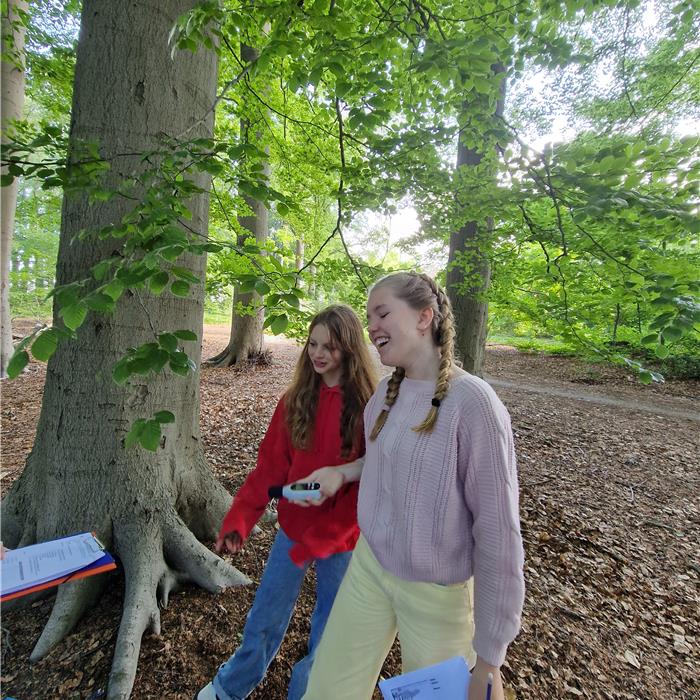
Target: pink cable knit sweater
443,506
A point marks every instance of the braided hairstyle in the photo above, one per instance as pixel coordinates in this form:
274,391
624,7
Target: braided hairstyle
420,292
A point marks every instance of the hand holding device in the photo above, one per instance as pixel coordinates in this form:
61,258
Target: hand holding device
300,491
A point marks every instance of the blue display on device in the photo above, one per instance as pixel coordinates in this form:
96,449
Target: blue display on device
309,491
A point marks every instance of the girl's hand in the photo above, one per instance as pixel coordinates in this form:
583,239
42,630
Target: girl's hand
479,681
232,542
330,478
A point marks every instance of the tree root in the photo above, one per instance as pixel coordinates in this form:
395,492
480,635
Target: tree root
170,582
230,357
158,554
12,527
147,582
140,609
221,359
204,568
72,600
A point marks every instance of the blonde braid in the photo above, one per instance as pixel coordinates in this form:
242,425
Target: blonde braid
392,392
444,335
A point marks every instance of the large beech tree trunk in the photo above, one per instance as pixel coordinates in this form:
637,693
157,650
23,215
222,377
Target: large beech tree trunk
150,508
246,341
469,259
11,106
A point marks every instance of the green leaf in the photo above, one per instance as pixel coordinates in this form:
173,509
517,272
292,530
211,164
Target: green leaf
661,351
279,324
158,282
100,270
645,376
164,417
134,434
183,371
159,359
6,180
150,435
97,301
45,345
168,341
671,333
17,363
262,287
292,300
184,274
114,289
180,288
247,284
74,315
121,371
650,339
185,335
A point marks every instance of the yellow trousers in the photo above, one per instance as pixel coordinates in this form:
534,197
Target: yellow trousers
433,622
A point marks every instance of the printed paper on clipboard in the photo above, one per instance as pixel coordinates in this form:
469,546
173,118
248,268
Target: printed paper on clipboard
48,564
448,680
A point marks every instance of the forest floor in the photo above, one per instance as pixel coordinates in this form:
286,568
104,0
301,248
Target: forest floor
610,507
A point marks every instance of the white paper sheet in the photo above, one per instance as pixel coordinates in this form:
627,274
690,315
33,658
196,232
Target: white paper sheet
448,680
39,563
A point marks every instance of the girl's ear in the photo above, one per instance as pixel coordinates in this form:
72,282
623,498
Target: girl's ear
425,318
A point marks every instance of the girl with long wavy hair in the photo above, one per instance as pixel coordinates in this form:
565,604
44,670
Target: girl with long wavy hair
317,422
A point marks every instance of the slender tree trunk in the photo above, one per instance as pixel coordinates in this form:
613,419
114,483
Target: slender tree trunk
150,508
298,253
469,271
246,342
616,323
12,81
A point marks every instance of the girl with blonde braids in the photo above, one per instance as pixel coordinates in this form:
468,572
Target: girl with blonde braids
437,509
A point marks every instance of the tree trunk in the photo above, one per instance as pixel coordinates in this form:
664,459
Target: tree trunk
246,342
12,81
468,261
150,508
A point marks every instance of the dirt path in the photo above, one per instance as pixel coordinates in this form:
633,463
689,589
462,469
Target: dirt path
596,398
610,508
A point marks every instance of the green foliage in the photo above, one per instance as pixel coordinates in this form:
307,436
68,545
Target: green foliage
354,109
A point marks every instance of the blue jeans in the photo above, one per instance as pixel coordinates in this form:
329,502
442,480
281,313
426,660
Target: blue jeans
269,617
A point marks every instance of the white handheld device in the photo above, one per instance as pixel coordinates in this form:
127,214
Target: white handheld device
309,491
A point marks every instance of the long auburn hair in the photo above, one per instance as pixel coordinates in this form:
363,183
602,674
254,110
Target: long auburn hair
357,380
420,292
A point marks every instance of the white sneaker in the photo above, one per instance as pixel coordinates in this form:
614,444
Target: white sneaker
207,693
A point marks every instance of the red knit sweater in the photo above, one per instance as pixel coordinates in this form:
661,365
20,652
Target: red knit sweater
318,531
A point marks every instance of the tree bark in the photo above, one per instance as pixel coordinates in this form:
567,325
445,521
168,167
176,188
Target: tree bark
150,508
12,81
246,342
468,259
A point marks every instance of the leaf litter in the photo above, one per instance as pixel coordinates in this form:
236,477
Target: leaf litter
610,508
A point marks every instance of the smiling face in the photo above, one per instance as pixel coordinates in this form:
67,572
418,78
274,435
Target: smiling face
399,332
326,358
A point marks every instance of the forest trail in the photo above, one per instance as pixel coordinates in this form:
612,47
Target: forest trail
596,398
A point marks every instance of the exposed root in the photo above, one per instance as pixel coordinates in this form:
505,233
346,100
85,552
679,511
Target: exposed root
170,582
12,526
219,359
140,607
187,554
72,600
230,357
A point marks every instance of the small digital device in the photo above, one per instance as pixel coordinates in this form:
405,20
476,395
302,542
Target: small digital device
309,491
